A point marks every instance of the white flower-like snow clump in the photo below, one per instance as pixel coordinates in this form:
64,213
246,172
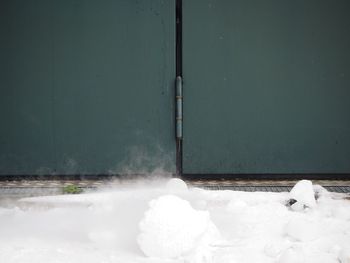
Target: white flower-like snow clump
171,228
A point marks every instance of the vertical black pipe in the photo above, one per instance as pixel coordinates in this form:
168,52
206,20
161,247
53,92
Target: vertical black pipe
178,73
179,38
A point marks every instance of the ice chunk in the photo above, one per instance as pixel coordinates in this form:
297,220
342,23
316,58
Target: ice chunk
175,185
171,228
303,193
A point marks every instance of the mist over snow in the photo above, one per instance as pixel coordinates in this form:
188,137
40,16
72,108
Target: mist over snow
168,222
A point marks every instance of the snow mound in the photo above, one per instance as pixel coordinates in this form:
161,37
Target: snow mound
175,185
303,193
171,228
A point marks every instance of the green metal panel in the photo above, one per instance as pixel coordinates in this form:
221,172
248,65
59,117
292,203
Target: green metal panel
266,86
86,86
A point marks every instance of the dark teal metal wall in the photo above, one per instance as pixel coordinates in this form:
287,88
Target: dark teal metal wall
86,87
266,86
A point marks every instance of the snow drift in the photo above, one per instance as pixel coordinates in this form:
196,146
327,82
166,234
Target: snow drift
168,222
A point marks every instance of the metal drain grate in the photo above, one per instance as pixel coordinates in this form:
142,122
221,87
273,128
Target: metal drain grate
337,189
29,191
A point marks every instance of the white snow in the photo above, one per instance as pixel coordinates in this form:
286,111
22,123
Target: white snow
304,229
344,256
292,255
303,193
158,223
176,185
171,228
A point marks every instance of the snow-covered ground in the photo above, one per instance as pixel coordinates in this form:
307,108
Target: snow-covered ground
166,222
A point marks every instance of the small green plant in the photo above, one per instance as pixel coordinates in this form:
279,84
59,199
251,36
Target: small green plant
72,189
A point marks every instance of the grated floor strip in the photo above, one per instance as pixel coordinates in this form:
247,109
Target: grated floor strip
53,187
337,189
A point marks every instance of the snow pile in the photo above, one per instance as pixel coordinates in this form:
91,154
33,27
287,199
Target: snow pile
304,195
171,229
176,185
111,226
